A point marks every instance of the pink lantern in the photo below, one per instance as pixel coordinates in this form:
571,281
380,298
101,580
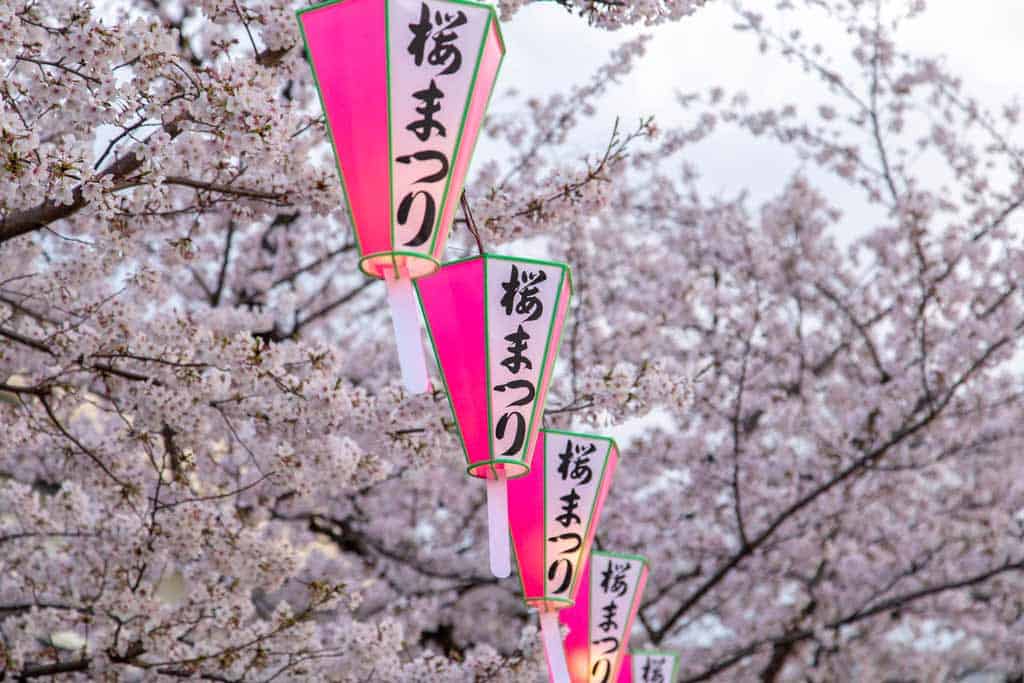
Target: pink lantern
404,85
495,323
601,619
626,672
554,511
649,666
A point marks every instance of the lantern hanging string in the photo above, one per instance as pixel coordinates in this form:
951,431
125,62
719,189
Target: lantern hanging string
471,222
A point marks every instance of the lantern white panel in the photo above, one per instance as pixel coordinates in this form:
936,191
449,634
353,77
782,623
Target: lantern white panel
613,584
653,667
574,467
433,51
521,298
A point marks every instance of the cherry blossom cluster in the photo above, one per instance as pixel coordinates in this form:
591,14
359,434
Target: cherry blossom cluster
209,470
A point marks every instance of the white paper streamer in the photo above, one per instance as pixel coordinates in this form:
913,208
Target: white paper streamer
497,526
549,630
405,318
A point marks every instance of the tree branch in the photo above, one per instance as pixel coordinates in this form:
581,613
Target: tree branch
25,221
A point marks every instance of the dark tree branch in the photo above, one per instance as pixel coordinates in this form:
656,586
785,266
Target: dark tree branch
910,428
22,222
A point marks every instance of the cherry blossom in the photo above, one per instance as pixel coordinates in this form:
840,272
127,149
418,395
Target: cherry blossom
209,469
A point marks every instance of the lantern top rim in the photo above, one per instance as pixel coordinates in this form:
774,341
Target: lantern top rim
581,435
522,259
621,556
480,5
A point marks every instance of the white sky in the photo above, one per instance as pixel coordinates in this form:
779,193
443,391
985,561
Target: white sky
549,50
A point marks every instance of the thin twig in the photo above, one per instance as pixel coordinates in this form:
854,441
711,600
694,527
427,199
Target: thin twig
471,222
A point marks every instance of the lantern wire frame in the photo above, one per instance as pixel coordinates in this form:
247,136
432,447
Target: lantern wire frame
488,469
634,605
406,265
367,261
547,606
495,470
550,602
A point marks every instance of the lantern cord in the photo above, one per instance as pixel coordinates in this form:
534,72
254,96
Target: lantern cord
471,222
553,647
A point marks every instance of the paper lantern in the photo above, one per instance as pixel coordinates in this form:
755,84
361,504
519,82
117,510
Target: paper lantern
404,86
626,671
554,512
495,323
649,666
601,619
